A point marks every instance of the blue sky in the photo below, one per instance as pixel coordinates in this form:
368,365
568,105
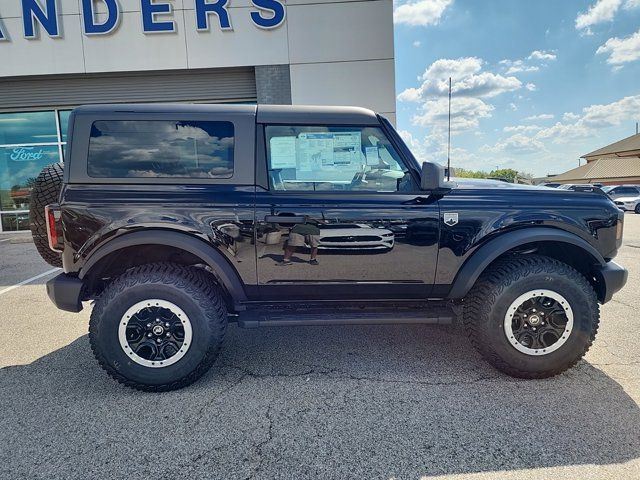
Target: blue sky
536,83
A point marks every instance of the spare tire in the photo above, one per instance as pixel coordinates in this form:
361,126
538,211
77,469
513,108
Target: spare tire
46,190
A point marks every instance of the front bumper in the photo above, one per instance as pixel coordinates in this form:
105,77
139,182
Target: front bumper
64,291
626,206
610,278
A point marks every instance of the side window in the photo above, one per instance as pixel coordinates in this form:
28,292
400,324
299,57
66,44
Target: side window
160,149
310,158
626,191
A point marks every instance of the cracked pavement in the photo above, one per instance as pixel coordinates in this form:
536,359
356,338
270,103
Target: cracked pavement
383,402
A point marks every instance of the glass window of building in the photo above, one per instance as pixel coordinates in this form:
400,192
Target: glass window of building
29,141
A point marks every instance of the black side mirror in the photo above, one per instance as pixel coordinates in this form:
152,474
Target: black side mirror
432,178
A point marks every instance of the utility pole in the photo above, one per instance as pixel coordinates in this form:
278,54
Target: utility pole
449,138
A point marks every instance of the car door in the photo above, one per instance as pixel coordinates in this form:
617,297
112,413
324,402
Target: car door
339,215
624,191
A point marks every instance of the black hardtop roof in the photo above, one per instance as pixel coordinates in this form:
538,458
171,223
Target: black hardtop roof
275,114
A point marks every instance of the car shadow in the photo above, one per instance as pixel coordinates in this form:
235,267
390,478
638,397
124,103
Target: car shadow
313,402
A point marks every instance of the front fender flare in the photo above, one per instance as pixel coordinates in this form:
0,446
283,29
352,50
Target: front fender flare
209,255
487,253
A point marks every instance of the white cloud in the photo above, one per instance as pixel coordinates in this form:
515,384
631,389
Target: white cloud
612,114
602,11
532,63
621,50
542,116
468,80
513,107
471,85
519,66
531,87
631,4
528,147
517,144
543,55
417,43
573,127
420,12
409,95
522,128
465,114
433,148
570,117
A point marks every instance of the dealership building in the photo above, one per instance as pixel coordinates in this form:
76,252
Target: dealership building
58,54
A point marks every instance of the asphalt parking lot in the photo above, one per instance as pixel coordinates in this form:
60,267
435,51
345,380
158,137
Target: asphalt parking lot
385,402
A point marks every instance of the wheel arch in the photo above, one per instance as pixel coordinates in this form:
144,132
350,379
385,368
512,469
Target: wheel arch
190,249
564,246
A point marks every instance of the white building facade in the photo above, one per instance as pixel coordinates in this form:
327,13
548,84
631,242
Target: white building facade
58,54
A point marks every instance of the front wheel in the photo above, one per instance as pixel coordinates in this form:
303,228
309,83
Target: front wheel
158,327
532,316
637,209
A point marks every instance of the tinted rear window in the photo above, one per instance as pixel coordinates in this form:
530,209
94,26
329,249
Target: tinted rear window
160,148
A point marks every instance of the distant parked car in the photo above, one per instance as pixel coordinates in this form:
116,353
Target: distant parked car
628,204
618,191
342,236
581,187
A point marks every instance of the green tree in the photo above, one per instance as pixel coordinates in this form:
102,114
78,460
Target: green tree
508,174
463,173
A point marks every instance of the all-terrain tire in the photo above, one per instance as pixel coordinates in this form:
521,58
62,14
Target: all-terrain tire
191,289
504,282
45,191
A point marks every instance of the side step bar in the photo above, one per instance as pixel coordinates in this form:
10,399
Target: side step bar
253,319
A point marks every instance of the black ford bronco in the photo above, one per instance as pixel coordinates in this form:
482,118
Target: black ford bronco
177,219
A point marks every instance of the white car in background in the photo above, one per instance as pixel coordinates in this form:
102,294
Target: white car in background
355,236
628,204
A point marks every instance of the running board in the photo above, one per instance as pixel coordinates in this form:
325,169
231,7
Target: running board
253,319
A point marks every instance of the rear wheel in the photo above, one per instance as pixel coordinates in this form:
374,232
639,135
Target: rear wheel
637,209
45,191
158,327
532,316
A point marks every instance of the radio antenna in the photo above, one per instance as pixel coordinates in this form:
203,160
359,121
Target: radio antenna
449,139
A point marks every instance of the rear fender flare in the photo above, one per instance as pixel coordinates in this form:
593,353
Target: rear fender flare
223,270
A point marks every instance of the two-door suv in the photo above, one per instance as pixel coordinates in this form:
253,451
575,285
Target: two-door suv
177,219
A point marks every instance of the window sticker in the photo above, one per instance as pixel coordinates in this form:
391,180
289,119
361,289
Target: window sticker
283,152
329,156
373,158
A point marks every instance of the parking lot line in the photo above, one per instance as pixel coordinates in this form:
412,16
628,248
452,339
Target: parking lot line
29,280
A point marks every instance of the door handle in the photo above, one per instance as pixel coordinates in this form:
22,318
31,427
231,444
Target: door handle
285,219
419,201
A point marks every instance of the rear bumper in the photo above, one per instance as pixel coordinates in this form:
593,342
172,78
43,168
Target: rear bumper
611,277
64,291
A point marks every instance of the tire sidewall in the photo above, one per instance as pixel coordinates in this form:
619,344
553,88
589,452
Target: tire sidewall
45,191
107,341
583,321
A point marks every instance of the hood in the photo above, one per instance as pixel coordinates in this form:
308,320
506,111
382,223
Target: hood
495,184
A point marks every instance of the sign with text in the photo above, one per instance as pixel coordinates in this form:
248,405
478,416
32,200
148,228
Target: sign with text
157,16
